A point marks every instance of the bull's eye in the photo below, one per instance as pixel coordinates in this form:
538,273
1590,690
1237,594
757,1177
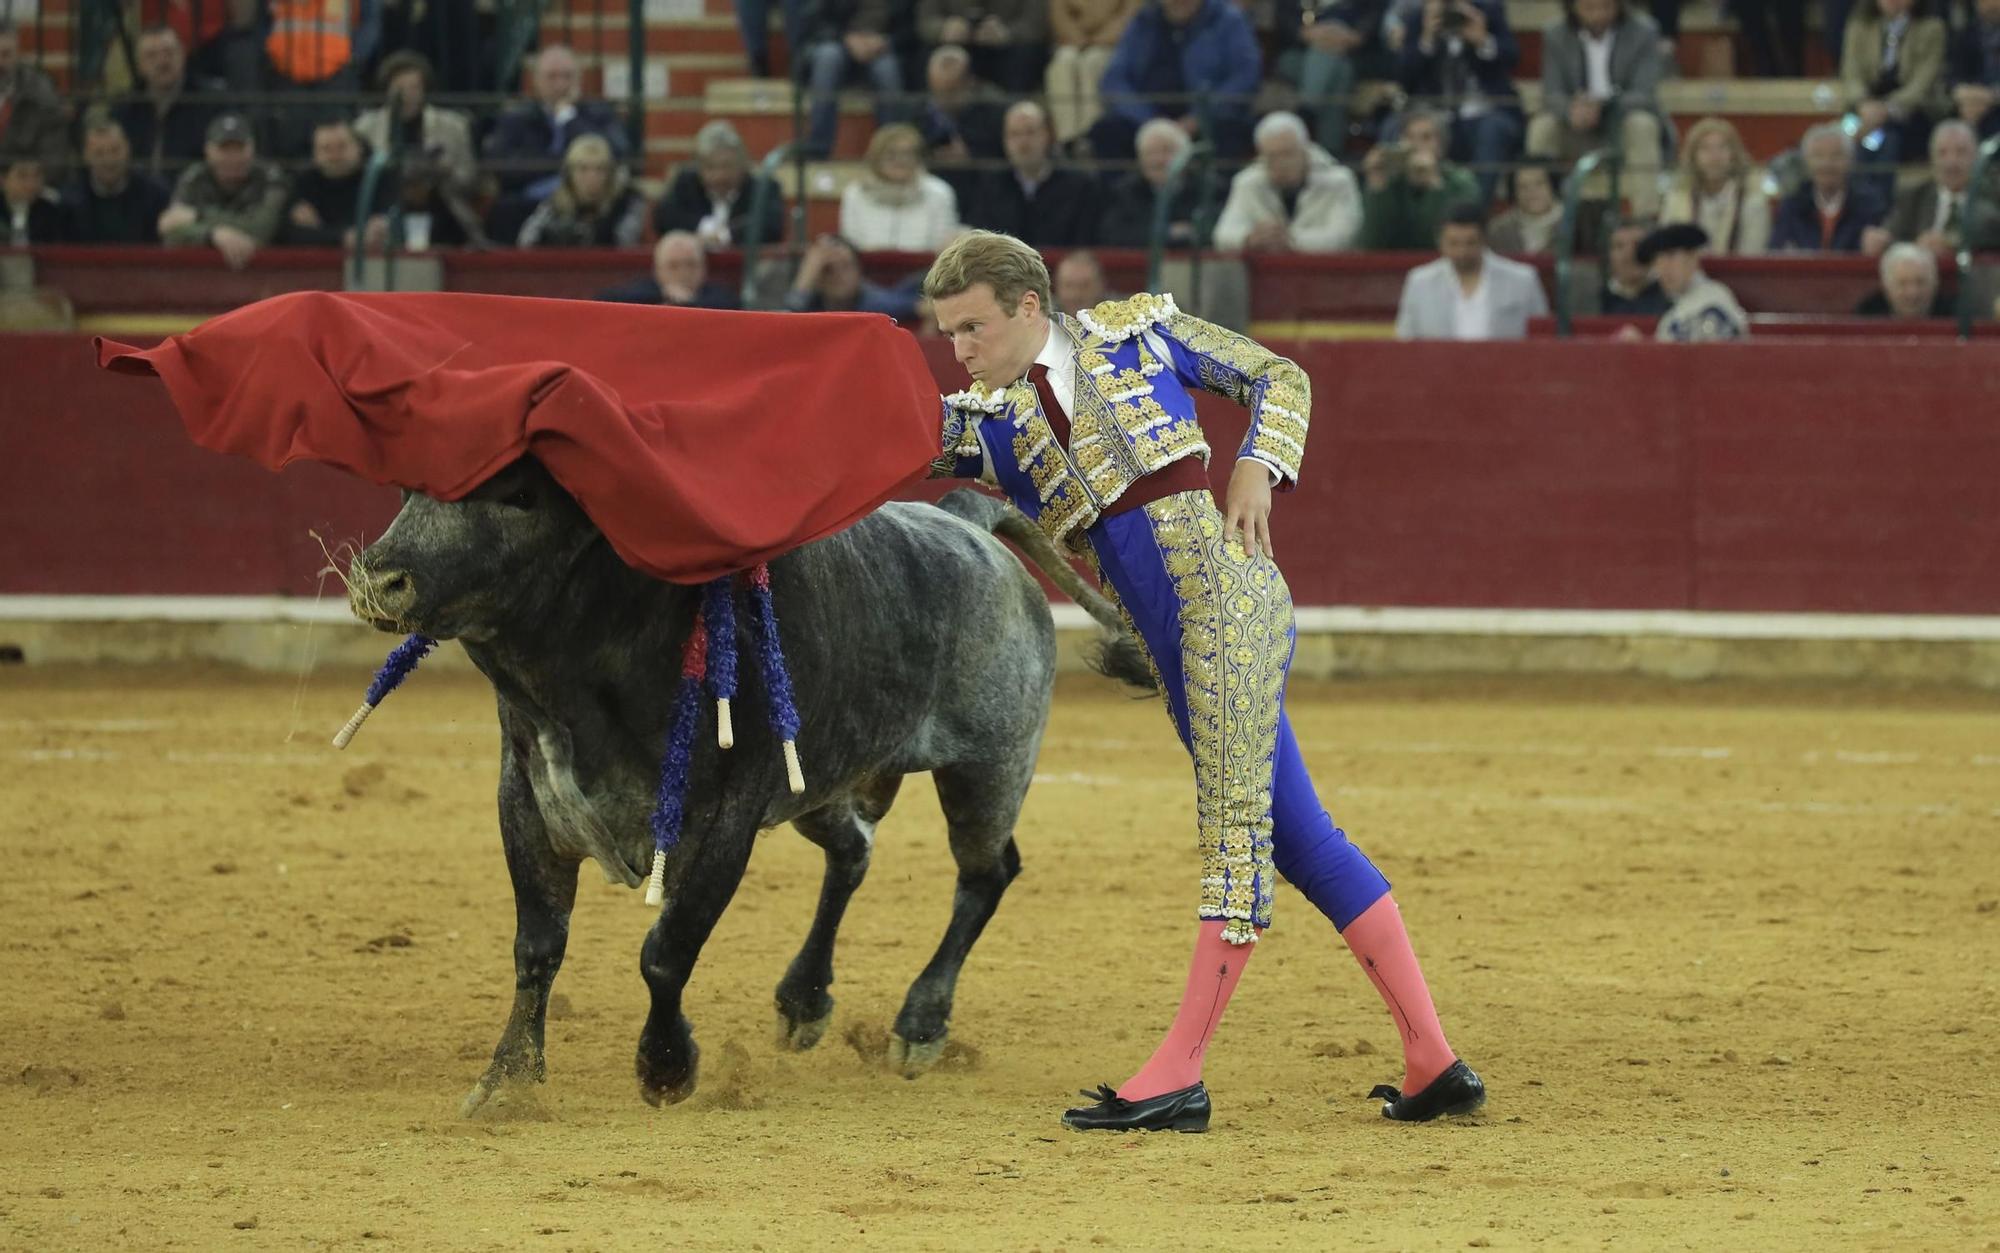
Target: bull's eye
519,498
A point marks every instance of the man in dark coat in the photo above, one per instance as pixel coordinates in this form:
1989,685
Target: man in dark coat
1033,199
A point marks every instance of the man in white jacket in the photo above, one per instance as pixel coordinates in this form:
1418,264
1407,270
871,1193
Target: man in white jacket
1294,197
1468,292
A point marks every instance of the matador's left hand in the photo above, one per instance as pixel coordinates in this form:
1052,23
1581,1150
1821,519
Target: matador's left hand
1249,517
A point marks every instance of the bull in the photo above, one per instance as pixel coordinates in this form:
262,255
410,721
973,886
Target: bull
916,642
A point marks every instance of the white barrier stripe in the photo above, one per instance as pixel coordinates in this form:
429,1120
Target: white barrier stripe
1352,619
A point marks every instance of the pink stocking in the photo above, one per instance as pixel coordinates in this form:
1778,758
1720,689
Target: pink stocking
1212,977
1383,948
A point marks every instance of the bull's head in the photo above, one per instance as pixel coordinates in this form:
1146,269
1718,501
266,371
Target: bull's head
469,568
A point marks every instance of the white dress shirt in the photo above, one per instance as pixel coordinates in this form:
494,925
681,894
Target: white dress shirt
1472,313
1597,65
1946,202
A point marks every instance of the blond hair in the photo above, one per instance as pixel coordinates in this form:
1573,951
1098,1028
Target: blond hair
1004,263
1740,164
888,137
588,148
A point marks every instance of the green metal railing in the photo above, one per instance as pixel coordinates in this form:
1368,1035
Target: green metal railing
1196,161
762,187
1976,213
1591,162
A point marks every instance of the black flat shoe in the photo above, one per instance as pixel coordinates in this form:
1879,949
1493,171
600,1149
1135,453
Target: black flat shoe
1456,1091
1185,1109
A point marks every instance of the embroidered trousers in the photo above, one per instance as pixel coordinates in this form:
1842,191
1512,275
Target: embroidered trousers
1218,628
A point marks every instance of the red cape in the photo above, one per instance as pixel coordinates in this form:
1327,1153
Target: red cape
699,442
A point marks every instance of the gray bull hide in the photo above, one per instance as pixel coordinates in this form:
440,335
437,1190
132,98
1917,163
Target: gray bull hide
916,642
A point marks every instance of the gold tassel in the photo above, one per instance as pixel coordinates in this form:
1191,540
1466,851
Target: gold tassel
725,726
345,735
793,774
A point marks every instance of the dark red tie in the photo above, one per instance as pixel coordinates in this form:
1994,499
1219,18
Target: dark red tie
1038,374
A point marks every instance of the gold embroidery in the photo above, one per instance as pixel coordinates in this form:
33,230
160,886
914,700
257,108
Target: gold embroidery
1275,390
1235,622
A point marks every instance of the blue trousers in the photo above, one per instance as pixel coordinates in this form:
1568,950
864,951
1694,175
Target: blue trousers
1218,627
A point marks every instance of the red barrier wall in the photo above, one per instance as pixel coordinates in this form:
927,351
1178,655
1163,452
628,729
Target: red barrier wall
1775,476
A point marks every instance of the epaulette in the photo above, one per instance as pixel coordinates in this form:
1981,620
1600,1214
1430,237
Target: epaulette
1117,320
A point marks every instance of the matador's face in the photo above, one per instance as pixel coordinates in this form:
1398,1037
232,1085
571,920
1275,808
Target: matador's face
996,345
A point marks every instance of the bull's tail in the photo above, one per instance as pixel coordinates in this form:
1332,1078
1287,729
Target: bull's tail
1118,654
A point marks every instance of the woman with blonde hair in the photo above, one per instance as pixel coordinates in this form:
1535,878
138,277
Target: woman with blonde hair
1720,189
896,204
594,206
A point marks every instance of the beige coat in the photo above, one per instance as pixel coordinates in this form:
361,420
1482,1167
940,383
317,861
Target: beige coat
447,135
1749,235
1920,63
1080,23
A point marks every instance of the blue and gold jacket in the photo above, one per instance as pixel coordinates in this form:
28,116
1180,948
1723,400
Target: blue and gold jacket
1135,360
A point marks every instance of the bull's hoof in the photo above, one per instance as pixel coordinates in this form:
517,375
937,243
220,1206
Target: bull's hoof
510,1083
671,1082
910,1059
800,1036
505,1099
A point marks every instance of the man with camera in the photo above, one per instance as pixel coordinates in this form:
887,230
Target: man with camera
1460,60
1408,187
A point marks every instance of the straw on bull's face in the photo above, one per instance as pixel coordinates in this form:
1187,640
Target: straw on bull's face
468,569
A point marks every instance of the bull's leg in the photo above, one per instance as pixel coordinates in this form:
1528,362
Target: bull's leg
980,805
544,893
846,831
667,1053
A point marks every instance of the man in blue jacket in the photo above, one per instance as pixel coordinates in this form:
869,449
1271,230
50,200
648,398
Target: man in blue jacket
1460,60
1195,62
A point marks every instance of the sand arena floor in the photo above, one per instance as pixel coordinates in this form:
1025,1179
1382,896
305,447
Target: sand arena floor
1726,957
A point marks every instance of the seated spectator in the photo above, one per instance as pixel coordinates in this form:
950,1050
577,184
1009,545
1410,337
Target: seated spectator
1084,32
34,214
531,139
448,35
1008,39
1034,199
109,202
960,119
1335,43
593,206
231,201
1127,220
322,208
320,45
896,204
1409,187
711,197
829,281
1292,198
444,136
1530,225
847,39
1909,288
1469,292
1932,213
679,278
1461,61
1974,72
1702,309
1831,209
1601,71
34,124
753,26
1079,281
1629,285
166,121
1203,51
1892,77
1718,188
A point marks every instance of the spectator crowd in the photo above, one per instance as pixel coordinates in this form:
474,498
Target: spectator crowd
1060,121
